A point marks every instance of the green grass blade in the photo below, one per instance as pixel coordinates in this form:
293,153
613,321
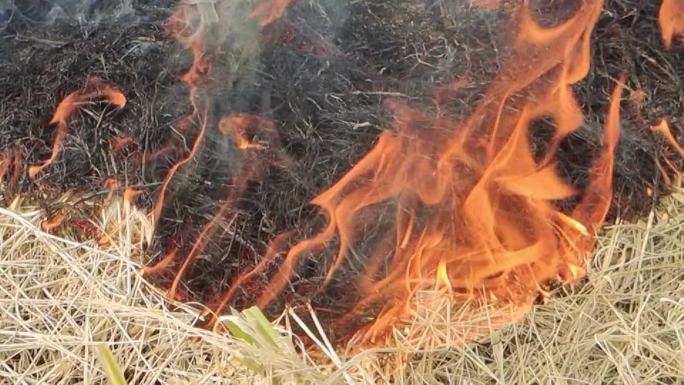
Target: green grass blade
237,332
110,366
262,326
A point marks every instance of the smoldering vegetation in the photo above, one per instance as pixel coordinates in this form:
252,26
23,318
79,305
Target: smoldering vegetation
322,74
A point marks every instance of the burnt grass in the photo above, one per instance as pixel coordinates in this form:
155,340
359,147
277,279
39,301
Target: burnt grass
321,74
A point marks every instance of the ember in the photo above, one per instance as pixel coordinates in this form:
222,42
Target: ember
487,180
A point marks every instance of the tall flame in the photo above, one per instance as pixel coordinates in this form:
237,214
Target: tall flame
473,209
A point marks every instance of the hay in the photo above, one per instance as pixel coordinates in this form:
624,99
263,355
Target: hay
60,301
623,325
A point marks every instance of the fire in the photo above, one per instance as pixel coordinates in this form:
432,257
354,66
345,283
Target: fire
94,89
671,19
268,11
576,271
195,40
663,128
240,127
11,168
573,223
443,275
473,209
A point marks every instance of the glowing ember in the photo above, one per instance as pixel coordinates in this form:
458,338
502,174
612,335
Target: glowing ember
53,222
94,89
242,127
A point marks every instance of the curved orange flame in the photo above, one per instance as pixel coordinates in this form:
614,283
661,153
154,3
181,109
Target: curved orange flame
94,89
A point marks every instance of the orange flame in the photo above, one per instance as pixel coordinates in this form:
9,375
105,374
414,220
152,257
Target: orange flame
179,27
11,168
94,89
488,224
198,40
249,133
671,19
241,126
237,127
268,11
663,128
474,211
485,4
443,274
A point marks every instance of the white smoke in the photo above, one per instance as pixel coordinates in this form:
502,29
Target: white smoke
68,11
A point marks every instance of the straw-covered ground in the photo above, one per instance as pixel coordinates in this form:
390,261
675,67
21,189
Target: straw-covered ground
62,302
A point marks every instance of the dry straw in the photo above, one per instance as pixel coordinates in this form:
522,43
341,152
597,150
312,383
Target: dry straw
64,303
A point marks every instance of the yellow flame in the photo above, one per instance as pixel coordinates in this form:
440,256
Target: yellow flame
576,271
574,223
442,275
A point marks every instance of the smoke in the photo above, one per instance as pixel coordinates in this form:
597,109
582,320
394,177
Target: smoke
241,47
6,8
48,12
236,26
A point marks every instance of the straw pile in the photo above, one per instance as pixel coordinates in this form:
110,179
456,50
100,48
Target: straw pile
62,301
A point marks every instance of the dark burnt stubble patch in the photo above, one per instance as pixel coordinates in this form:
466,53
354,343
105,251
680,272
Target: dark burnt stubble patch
627,40
43,62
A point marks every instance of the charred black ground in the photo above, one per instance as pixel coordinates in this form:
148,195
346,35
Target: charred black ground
322,75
